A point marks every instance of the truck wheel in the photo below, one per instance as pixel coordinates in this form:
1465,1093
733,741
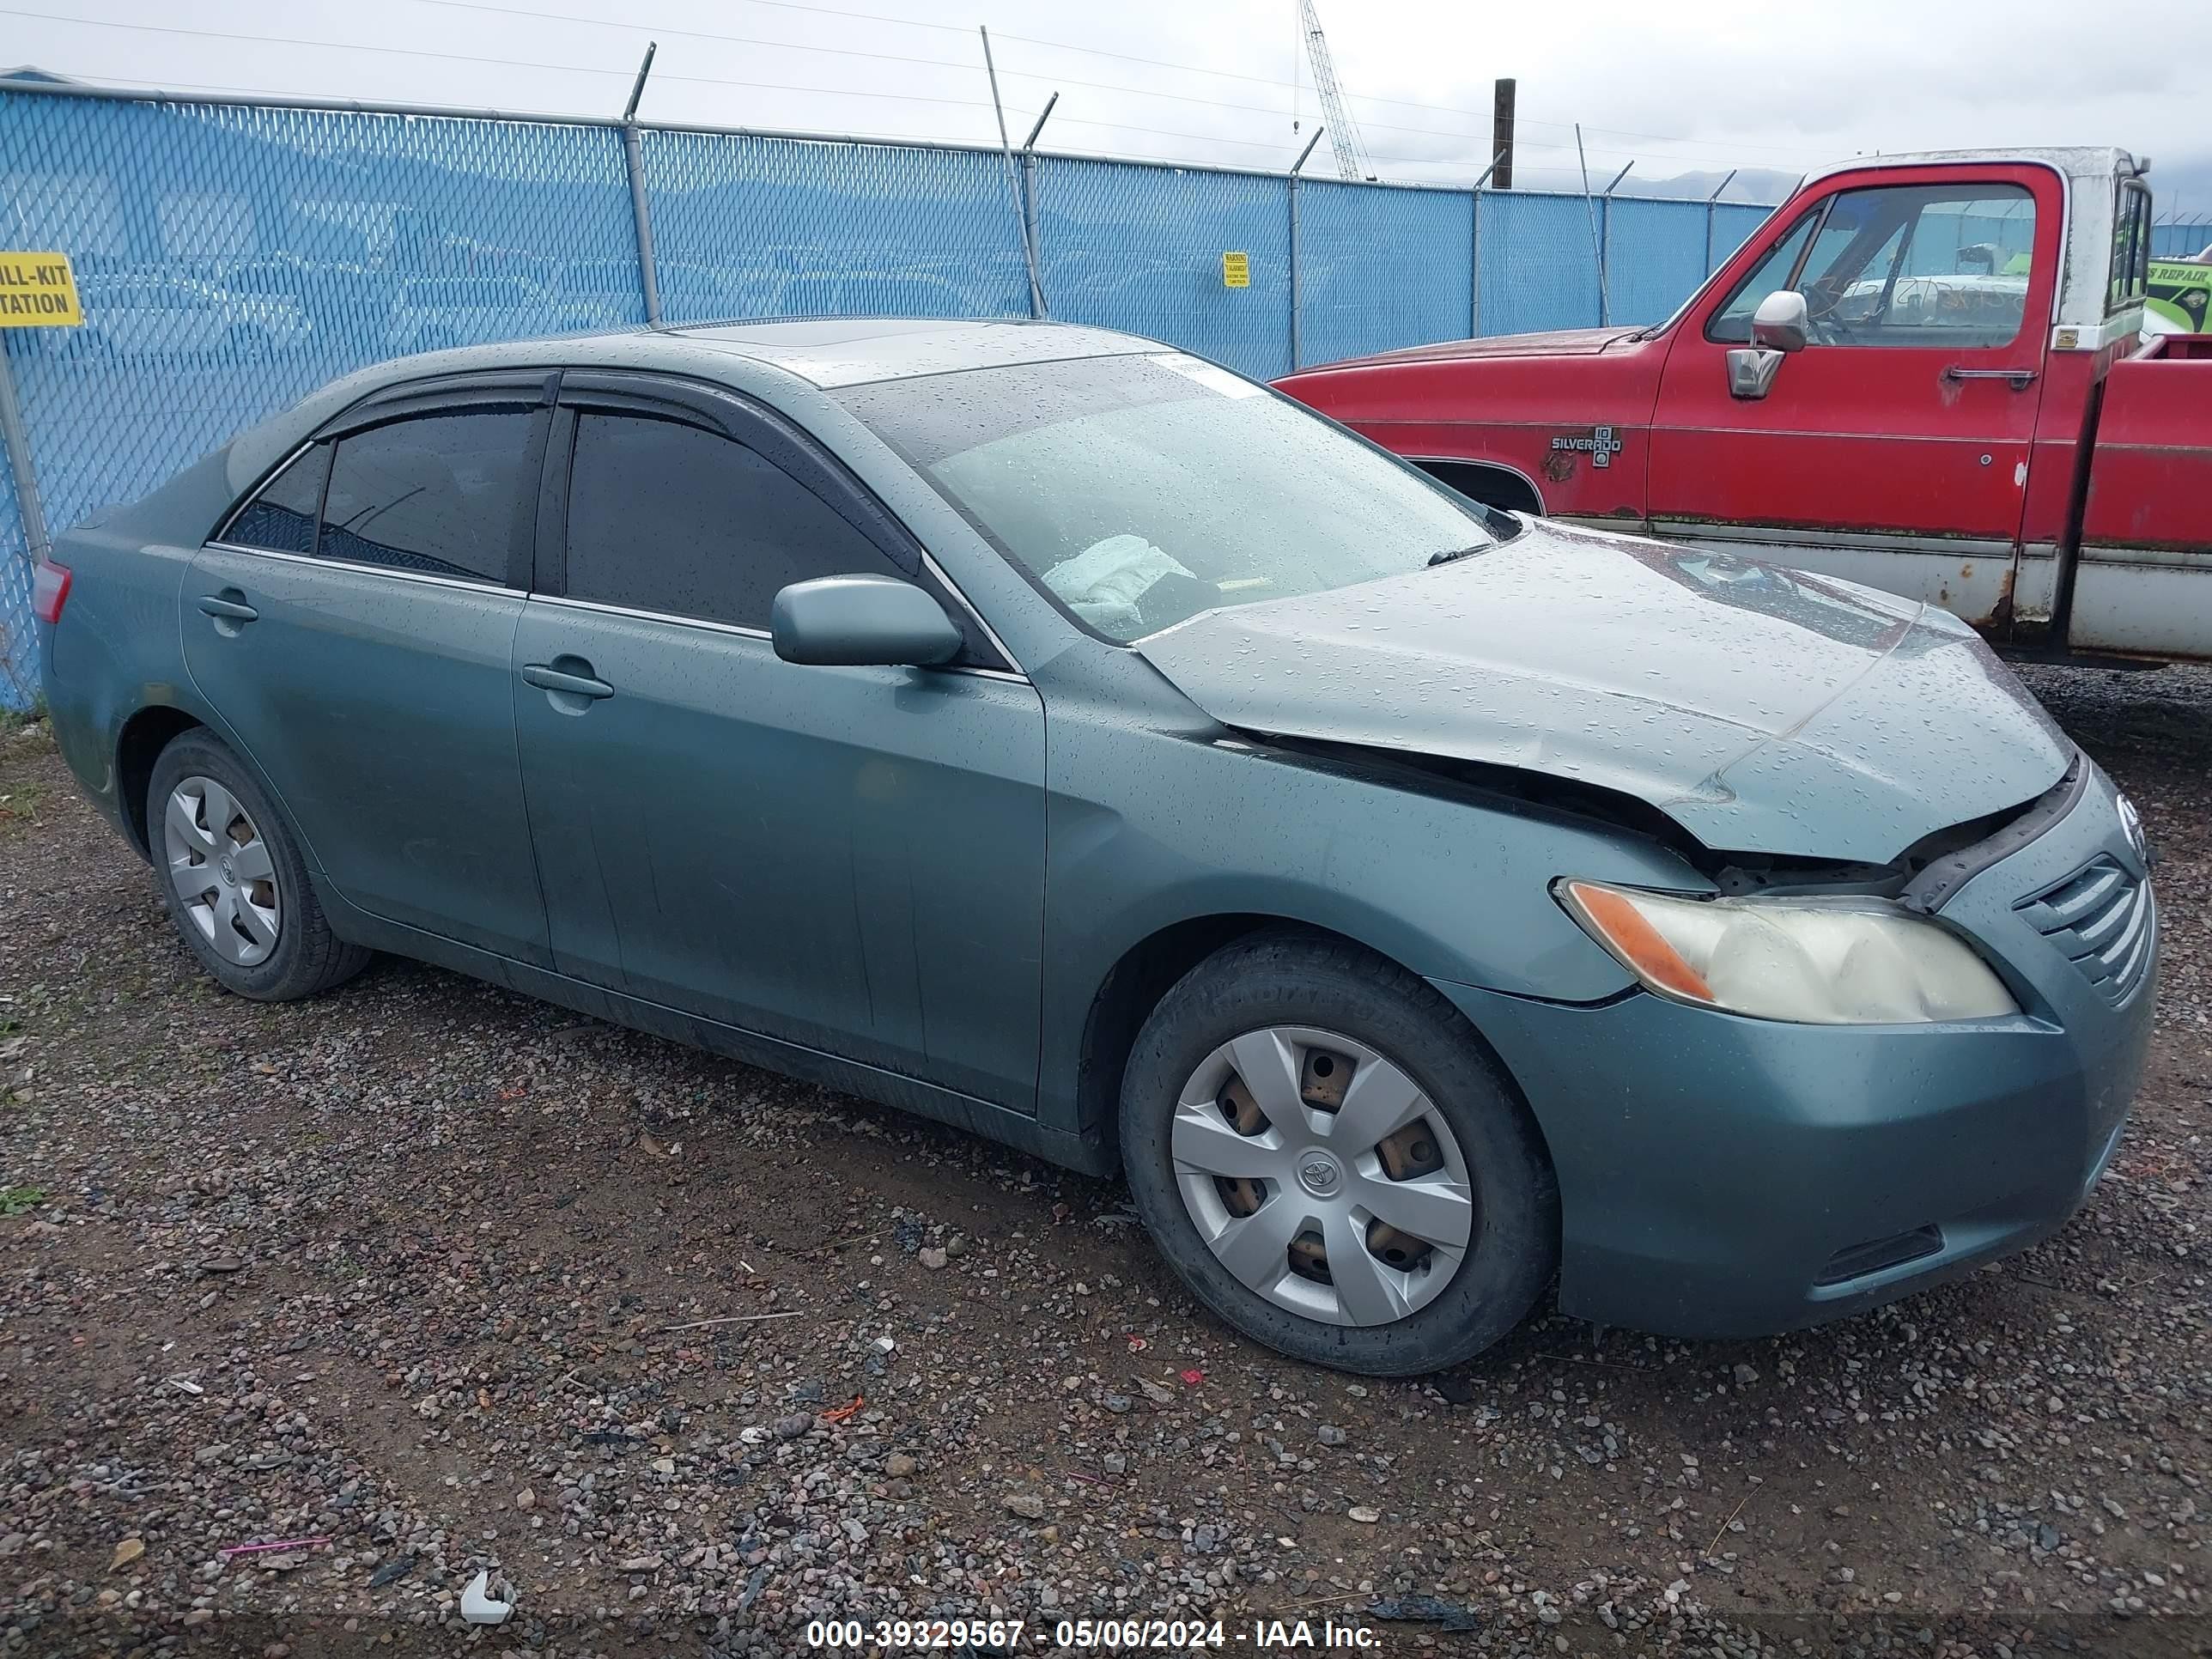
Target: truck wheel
1330,1160
232,877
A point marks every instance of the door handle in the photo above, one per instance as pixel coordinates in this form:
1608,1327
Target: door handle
2021,378
224,608
546,677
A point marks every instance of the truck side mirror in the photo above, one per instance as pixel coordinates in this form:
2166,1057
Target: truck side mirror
1781,322
1777,328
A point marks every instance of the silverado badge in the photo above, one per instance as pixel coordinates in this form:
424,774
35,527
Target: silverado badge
1601,445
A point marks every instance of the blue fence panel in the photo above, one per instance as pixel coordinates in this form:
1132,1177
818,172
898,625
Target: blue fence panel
231,260
2179,241
1381,267
1538,262
1655,255
1945,243
232,257
1733,224
1140,248
750,227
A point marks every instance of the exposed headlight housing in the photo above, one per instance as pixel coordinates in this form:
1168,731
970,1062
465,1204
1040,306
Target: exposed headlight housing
1818,961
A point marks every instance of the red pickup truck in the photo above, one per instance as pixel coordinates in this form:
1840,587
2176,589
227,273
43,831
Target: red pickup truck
1925,374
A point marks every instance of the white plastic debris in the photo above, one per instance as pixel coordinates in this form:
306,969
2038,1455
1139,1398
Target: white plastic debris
476,1604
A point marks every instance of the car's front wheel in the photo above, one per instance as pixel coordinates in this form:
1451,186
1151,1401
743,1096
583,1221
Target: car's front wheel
233,878
1332,1161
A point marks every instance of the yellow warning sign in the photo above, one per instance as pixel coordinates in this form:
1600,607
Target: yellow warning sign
1236,270
38,290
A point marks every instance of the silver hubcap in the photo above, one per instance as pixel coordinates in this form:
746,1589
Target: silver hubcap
221,870
1322,1177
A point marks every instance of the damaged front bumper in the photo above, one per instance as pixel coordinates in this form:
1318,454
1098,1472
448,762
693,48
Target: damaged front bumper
1726,1176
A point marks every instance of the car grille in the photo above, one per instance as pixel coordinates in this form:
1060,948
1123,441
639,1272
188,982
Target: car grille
2102,918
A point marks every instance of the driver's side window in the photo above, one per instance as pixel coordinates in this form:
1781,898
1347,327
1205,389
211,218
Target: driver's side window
1902,265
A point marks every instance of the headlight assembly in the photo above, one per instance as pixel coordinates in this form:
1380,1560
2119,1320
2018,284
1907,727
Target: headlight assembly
1819,962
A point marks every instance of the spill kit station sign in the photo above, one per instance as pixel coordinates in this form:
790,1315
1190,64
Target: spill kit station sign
39,290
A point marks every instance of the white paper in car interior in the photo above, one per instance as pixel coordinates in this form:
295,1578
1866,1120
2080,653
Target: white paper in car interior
1213,379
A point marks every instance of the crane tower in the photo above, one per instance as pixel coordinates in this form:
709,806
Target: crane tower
1343,137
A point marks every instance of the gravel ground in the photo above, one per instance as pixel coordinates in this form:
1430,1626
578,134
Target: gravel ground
688,1354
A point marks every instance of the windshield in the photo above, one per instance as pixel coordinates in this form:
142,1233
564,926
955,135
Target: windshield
1139,491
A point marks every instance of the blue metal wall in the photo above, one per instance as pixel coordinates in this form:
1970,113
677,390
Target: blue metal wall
2180,241
232,257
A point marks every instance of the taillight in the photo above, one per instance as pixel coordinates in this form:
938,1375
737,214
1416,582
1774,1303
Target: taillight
49,587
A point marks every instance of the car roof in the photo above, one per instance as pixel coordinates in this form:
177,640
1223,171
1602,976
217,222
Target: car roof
768,359
835,351
823,351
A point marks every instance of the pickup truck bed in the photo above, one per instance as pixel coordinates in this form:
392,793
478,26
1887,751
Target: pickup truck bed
2136,585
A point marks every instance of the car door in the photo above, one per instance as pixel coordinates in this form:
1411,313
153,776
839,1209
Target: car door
352,626
1894,448
851,859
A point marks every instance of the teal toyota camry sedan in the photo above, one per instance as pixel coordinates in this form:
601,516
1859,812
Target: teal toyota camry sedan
1058,735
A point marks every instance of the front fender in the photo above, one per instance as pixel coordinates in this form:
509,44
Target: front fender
1447,883
1575,424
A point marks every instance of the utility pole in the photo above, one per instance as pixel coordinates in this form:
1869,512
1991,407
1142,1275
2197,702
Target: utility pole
1032,249
1501,131
1597,245
1297,292
1712,203
1605,244
648,273
1013,184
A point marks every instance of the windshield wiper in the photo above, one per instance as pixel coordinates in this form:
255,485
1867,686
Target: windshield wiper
1451,553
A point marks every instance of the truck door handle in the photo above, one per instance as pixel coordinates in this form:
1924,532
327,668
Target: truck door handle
547,678
2021,378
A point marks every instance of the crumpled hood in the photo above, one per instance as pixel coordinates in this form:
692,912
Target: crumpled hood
1763,709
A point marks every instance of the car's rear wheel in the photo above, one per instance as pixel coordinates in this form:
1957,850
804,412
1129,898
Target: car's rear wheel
233,878
1332,1163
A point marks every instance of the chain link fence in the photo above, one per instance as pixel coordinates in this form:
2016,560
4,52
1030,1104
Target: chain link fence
1128,245
19,669
750,227
2181,239
234,255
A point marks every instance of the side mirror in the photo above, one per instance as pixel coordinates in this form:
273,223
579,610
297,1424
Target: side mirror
1778,327
862,621
1781,322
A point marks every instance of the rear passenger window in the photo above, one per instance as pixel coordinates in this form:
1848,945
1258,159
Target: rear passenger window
282,518
439,493
674,518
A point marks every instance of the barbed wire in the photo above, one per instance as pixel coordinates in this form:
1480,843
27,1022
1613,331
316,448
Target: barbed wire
1477,156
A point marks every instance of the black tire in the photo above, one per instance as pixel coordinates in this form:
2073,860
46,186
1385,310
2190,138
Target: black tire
307,957
1282,979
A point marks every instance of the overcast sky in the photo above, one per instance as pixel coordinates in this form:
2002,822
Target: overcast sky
1675,87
